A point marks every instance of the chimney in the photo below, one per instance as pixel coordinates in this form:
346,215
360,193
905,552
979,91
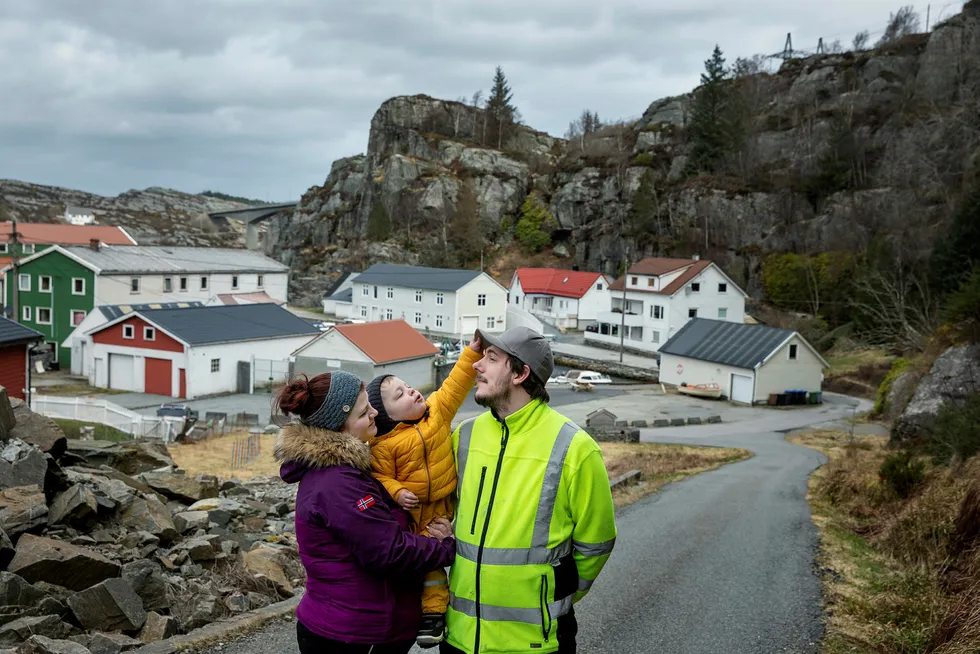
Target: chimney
696,257
95,244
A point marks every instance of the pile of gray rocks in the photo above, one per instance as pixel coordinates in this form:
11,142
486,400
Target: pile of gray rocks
107,546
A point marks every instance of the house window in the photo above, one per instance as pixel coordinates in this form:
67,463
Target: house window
183,284
28,248
43,316
634,281
77,286
696,287
260,281
215,365
168,285
375,292
23,282
656,312
656,336
204,283
438,321
25,314
149,334
418,296
77,317
389,314
390,293
134,285
366,291
722,288
234,281
44,284
364,312
481,300
491,322
440,299
692,313
3,248
722,313
418,318
793,351
650,282
129,332
598,286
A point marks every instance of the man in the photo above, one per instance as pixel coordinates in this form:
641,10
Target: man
535,520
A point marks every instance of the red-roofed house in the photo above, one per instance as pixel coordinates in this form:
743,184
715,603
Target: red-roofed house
661,296
368,350
568,299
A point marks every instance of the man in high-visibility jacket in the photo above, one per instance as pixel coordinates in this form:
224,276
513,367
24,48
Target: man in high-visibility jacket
535,521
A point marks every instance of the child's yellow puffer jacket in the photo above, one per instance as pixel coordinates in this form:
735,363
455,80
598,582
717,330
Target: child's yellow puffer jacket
419,458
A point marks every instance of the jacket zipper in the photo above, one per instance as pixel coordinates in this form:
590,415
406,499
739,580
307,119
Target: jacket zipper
505,434
545,611
479,496
428,476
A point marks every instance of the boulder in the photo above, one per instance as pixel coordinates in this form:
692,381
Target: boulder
15,591
152,516
158,627
900,394
16,632
257,600
266,562
101,643
146,578
7,420
203,610
130,458
199,549
181,487
40,431
22,508
237,603
109,606
73,506
954,375
216,503
22,464
191,521
6,549
57,562
42,645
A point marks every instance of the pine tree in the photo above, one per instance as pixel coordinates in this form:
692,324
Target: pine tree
499,105
379,225
466,239
643,210
709,130
534,229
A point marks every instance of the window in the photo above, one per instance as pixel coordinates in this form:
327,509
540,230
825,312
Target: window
25,314
364,311
215,365
389,314
481,300
722,288
27,248
438,321
696,287
692,313
634,281
598,286
129,332
234,282
44,284
418,318
77,317
650,282
390,294
43,315
440,299
183,284
491,322
366,291
418,296
260,281
656,312
375,292
793,351
204,283
134,285
77,286
168,285
656,336
23,282
722,312
149,334
3,248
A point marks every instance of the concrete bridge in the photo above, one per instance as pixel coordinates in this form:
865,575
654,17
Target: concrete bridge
252,217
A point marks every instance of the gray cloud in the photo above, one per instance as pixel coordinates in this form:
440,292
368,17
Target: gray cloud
258,98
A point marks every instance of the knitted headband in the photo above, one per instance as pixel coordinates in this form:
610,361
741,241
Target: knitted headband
337,405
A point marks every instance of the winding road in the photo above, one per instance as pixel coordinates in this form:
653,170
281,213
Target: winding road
720,562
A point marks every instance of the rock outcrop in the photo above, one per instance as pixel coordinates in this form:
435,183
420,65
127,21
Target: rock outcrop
954,376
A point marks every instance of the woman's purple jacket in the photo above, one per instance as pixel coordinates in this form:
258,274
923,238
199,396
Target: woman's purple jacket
364,567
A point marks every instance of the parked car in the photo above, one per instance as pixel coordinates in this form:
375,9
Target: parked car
583,377
594,328
177,411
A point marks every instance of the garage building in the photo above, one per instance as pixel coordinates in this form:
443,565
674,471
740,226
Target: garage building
191,352
368,350
15,357
748,362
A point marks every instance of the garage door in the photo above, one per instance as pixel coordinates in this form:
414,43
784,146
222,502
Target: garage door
121,375
742,388
159,376
469,325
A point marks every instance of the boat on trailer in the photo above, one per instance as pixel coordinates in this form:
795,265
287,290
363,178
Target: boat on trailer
710,391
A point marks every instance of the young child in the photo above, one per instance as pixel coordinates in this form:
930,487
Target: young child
413,459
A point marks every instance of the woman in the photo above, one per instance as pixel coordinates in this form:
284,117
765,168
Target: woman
364,566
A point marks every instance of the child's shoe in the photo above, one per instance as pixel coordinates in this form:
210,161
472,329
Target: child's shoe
432,630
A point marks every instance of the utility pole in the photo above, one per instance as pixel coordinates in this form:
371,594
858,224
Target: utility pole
14,277
622,319
928,16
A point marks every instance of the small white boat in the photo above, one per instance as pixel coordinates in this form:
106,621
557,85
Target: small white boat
710,391
589,377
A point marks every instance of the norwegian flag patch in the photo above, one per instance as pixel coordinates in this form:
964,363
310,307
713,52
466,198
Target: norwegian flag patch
365,503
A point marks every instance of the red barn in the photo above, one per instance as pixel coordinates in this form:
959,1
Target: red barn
15,341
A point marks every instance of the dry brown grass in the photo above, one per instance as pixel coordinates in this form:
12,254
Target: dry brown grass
661,464
214,457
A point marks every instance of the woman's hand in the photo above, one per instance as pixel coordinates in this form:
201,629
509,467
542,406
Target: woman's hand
477,343
440,528
407,500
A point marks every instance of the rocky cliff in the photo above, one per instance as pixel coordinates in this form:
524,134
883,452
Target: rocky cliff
839,150
153,216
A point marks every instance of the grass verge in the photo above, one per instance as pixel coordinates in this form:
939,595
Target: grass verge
102,432
214,457
661,464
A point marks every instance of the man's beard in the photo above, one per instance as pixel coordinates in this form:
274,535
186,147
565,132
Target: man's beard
494,402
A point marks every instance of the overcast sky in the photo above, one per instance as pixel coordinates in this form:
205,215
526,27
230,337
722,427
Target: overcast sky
258,97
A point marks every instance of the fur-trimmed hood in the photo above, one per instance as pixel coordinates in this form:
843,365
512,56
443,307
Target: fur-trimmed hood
300,447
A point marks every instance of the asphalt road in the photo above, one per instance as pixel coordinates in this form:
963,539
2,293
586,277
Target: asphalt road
720,562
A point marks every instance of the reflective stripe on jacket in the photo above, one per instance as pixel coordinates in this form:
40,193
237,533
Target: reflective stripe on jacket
534,526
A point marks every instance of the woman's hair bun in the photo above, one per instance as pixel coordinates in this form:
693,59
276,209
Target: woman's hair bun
295,396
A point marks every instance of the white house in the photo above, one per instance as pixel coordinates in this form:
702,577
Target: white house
79,215
748,362
661,296
368,350
337,301
191,352
567,299
440,300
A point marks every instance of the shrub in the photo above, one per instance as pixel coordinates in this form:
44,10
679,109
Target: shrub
881,403
956,434
535,225
902,473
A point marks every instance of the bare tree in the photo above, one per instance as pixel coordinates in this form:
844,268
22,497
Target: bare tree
583,127
897,306
903,22
456,111
861,40
836,47
477,99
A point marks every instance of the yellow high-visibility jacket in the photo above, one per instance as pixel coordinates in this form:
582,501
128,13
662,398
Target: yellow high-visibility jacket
535,524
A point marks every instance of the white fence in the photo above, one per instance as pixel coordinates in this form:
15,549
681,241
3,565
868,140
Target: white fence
102,412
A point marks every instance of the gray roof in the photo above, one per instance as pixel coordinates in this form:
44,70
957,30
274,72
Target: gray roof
113,311
229,323
343,296
13,332
76,210
156,259
431,279
729,343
